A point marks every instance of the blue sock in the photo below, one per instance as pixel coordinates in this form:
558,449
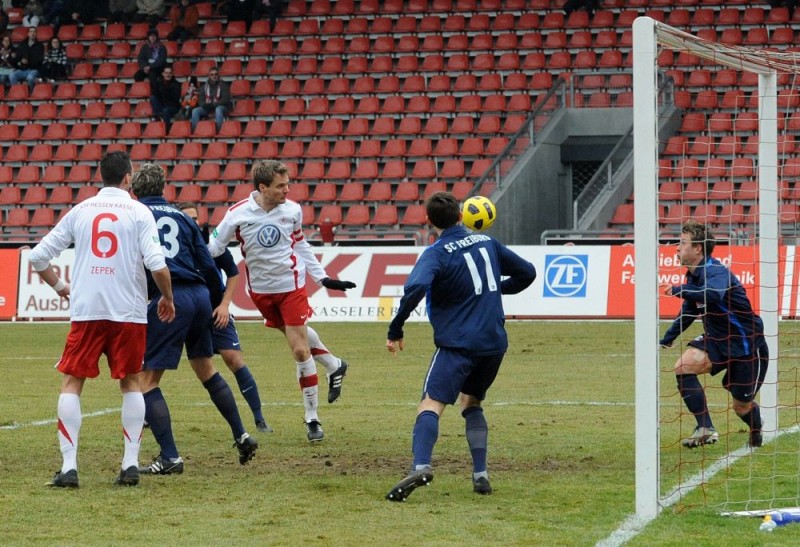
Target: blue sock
426,431
477,437
753,418
695,398
156,412
249,389
222,396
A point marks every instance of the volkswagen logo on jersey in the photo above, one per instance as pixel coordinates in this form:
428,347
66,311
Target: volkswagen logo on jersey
565,276
269,236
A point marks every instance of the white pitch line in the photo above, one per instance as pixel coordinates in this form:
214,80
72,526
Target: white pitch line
107,411
634,525
51,421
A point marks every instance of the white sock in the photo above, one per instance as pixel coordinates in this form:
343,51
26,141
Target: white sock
307,376
69,427
321,354
132,424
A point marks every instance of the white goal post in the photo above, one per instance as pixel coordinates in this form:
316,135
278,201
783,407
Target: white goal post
648,36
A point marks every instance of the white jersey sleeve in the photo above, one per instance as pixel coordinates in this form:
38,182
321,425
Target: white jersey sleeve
53,244
306,254
223,234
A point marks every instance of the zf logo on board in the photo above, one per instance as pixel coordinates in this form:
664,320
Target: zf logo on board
565,276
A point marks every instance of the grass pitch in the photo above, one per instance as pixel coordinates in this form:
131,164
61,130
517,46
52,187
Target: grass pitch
561,453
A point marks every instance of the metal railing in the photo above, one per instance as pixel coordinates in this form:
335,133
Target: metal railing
603,179
552,102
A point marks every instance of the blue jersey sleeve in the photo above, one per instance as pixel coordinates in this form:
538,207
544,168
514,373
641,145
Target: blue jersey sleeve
709,288
684,320
415,289
206,266
227,264
521,273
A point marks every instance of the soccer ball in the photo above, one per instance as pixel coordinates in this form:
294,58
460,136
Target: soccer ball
478,213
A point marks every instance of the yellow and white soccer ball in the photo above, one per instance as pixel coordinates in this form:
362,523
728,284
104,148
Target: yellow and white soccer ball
478,213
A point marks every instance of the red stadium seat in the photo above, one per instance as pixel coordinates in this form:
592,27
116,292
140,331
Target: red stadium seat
61,195
379,191
235,172
352,192
385,216
414,215
366,169
407,192
314,170
357,216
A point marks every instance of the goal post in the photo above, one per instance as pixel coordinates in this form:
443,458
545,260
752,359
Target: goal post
649,37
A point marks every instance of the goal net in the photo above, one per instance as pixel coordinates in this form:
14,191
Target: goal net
714,141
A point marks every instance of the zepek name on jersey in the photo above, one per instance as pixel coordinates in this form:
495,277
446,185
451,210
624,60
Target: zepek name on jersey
465,242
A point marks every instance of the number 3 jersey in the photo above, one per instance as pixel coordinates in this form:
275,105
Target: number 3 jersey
182,241
275,251
460,275
115,239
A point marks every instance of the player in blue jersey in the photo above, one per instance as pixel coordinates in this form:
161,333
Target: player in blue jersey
460,275
223,335
732,339
195,283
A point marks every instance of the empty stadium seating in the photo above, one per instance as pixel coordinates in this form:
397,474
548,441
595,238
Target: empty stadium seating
414,95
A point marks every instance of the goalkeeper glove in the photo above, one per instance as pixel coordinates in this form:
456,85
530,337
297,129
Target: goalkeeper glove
337,285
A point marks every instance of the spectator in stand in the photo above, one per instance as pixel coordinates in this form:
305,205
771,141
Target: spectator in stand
184,19
32,14
165,96
189,101
3,20
8,62
56,64
122,11
149,10
575,5
78,12
53,12
241,10
215,97
789,4
152,58
30,56
273,9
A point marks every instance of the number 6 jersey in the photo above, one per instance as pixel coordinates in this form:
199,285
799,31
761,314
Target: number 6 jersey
115,238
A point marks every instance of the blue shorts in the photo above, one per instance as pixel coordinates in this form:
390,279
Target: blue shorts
454,371
192,327
743,375
226,338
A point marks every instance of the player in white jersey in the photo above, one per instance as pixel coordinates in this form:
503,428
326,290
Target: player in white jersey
269,228
115,239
